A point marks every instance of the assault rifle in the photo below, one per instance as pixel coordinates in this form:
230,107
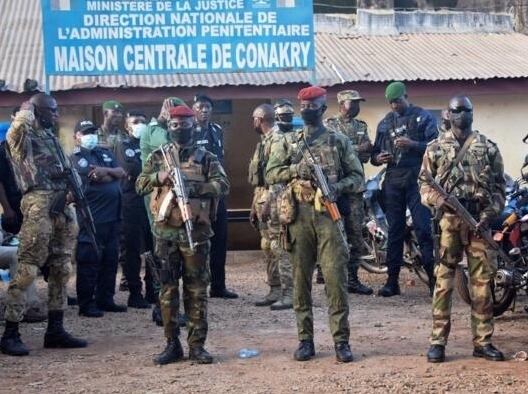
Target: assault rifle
328,197
160,268
75,185
466,217
179,193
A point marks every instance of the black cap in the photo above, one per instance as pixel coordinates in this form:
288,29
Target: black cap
203,97
84,125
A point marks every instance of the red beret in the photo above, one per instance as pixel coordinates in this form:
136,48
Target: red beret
311,93
180,110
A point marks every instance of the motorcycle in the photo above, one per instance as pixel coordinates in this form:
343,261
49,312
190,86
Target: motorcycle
510,231
375,232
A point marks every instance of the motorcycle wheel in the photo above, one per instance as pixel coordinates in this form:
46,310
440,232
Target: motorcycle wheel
412,259
372,260
502,296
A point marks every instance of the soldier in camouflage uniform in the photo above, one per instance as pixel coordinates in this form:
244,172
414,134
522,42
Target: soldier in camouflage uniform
357,130
155,136
205,181
264,215
311,232
476,179
111,131
48,232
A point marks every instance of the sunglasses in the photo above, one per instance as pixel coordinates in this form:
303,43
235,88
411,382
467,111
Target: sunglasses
459,110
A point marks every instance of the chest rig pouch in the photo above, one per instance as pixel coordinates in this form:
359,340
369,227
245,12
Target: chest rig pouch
163,203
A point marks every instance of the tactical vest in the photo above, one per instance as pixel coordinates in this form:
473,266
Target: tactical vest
257,167
41,168
325,154
164,206
472,179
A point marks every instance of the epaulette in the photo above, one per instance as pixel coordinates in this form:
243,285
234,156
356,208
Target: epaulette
76,150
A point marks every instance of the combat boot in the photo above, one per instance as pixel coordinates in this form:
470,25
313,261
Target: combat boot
200,355
391,288
11,343
273,296
354,286
285,302
136,300
172,353
57,337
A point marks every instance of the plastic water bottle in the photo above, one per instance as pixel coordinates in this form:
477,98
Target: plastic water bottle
248,353
4,275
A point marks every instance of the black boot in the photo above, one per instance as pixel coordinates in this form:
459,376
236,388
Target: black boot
354,286
57,337
391,288
200,355
11,343
136,300
172,353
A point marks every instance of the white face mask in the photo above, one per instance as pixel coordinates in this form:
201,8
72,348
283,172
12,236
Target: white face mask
89,141
138,130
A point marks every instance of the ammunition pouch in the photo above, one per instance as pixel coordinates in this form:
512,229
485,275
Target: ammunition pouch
165,209
287,206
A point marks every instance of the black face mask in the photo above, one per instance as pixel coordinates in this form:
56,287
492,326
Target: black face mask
462,120
311,116
181,136
285,127
354,111
258,129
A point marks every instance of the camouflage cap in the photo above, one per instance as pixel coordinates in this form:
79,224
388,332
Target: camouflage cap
112,104
349,95
283,106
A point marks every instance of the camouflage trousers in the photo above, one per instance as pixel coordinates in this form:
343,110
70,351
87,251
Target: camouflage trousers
194,269
354,230
314,234
278,266
482,267
44,240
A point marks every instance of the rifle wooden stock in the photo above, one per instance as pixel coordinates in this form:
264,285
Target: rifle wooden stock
466,217
328,199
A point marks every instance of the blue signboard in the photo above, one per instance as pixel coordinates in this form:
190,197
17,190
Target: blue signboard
83,37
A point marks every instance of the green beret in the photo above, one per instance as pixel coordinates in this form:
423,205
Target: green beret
176,101
112,104
394,91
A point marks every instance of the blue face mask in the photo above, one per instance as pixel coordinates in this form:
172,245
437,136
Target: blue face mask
138,130
89,141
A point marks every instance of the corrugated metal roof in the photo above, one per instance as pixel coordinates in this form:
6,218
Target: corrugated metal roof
346,56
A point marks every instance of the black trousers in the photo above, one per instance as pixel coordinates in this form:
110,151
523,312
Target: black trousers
218,252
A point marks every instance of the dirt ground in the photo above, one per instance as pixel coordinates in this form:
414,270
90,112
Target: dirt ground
389,339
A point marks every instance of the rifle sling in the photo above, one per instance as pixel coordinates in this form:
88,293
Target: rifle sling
460,155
